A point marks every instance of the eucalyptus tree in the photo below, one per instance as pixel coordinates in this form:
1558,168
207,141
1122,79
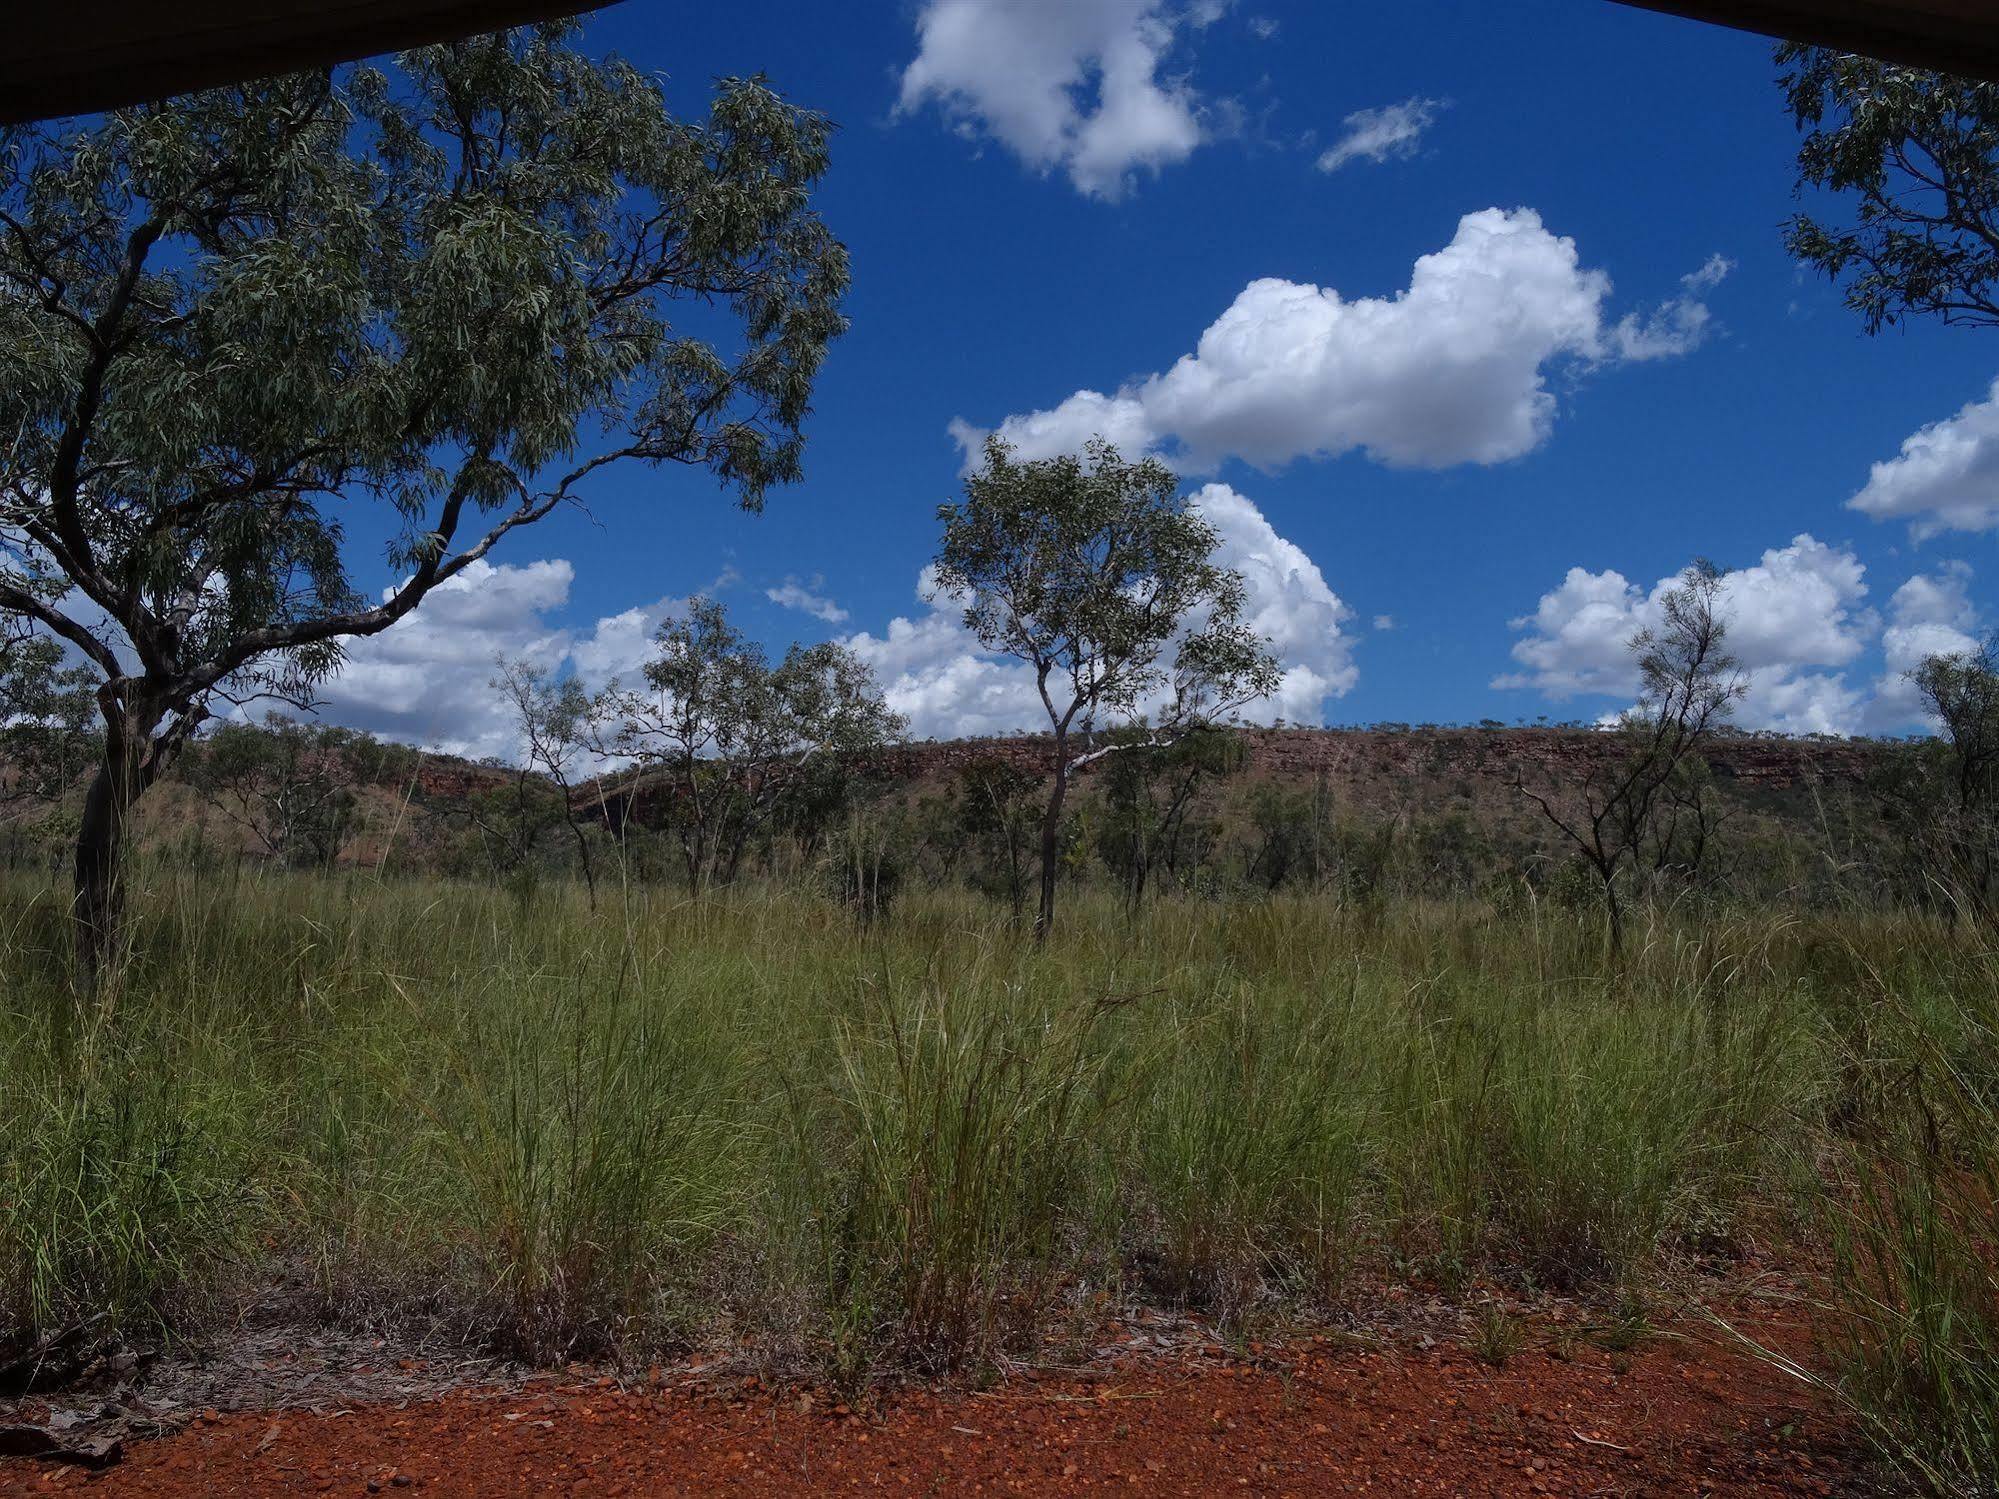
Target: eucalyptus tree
427,301
1101,577
733,738
552,720
1149,798
290,786
1918,153
1688,687
1961,815
995,810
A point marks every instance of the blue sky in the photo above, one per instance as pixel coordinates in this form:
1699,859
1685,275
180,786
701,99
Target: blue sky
1444,459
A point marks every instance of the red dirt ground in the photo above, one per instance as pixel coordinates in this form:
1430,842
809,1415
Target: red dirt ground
1677,1417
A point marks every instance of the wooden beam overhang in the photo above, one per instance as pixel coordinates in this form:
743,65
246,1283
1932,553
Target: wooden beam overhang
65,57
1947,36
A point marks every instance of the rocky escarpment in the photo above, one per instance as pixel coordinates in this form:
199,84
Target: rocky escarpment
441,778
1379,767
1487,753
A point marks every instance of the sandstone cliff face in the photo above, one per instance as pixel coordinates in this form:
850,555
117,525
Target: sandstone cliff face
438,779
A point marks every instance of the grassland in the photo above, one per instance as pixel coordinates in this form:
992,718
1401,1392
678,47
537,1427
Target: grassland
916,1143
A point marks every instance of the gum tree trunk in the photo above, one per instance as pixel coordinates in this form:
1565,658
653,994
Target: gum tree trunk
98,908
1051,830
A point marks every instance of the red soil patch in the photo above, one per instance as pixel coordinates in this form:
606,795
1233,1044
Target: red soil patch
1674,1418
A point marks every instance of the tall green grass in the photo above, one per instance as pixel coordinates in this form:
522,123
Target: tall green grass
940,1157
917,1141
1913,1216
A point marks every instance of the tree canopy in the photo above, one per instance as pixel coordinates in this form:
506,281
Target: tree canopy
1919,152
736,737
1087,568
1101,577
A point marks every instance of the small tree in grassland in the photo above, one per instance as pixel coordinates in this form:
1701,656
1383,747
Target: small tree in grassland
1957,814
1149,797
995,809
736,737
552,719
1688,685
1091,570
289,785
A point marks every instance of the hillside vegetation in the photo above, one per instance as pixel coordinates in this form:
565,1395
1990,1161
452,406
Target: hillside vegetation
1293,807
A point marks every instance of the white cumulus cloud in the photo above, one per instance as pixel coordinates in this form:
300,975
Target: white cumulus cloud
1946,478
1076,85
1453,369
426,680
1797,622
1377,135
1289,603
1930,615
